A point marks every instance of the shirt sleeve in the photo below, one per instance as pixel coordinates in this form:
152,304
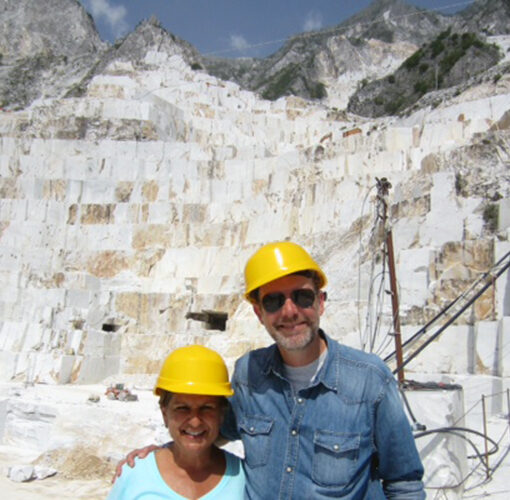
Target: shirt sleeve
118,488
229,426
399,463
404,490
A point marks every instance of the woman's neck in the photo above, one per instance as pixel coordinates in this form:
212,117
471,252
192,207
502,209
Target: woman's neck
204,462
191,475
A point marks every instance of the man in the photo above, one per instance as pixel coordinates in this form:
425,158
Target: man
317,419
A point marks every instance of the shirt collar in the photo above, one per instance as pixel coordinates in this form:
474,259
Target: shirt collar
328,374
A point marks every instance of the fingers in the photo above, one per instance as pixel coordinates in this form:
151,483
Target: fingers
148,449
140,453
118,470
130,459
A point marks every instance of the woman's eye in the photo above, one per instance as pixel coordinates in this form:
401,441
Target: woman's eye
209,408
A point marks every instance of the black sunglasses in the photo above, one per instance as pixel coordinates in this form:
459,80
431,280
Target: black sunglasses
302,297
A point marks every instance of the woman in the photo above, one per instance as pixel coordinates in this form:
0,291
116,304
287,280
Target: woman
192,389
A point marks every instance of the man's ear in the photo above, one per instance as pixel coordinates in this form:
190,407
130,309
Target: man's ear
257,311
322,298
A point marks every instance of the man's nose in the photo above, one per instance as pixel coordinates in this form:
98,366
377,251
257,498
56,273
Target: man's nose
289,308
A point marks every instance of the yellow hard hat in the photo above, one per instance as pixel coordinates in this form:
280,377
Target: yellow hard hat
194,369
276,260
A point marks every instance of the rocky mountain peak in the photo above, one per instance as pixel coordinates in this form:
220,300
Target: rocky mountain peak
60,27
394,21
150,34
46,48
450,60
329,64
492,17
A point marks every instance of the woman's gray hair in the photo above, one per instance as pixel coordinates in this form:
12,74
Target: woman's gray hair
164,398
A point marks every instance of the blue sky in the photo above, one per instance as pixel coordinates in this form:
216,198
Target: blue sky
235,28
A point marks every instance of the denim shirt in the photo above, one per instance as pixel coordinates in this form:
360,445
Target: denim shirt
345,436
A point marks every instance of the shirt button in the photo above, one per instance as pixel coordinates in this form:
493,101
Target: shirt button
293,432
252,429
289,469
300,400
336,447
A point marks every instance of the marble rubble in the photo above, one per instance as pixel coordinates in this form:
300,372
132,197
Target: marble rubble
126,209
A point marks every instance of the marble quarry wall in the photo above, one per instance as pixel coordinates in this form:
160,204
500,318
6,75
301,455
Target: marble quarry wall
127,214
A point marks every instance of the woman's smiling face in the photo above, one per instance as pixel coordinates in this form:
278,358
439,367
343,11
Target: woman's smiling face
193,420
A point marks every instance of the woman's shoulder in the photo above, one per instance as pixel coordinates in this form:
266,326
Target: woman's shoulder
132,478
141,468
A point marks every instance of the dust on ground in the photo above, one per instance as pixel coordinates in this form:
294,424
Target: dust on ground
80,475
77,463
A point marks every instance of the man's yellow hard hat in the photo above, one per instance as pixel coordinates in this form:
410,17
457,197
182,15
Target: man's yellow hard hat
276,260
194,369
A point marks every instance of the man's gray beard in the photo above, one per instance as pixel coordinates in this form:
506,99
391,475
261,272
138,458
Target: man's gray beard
288,344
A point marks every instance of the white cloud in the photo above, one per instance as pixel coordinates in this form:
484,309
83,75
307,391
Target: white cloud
238,42
313,21
114,15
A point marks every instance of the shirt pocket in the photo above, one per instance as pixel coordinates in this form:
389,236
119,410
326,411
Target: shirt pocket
256,436
335,457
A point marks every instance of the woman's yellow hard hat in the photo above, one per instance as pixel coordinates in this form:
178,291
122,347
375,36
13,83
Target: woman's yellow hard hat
194,369
276,260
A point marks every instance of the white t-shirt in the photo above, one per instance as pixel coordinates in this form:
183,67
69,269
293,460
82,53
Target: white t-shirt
302,376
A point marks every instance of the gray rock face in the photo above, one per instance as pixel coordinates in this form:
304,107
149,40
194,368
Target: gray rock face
60,27
46,47
149,34
491,17
450,59
368,46
54,51
308,61
395,21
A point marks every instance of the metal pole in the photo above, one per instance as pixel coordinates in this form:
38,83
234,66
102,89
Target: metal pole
493,297
394,305
383,187
508,405
485,437
451,320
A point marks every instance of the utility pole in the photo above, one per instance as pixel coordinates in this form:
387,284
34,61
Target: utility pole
383,187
